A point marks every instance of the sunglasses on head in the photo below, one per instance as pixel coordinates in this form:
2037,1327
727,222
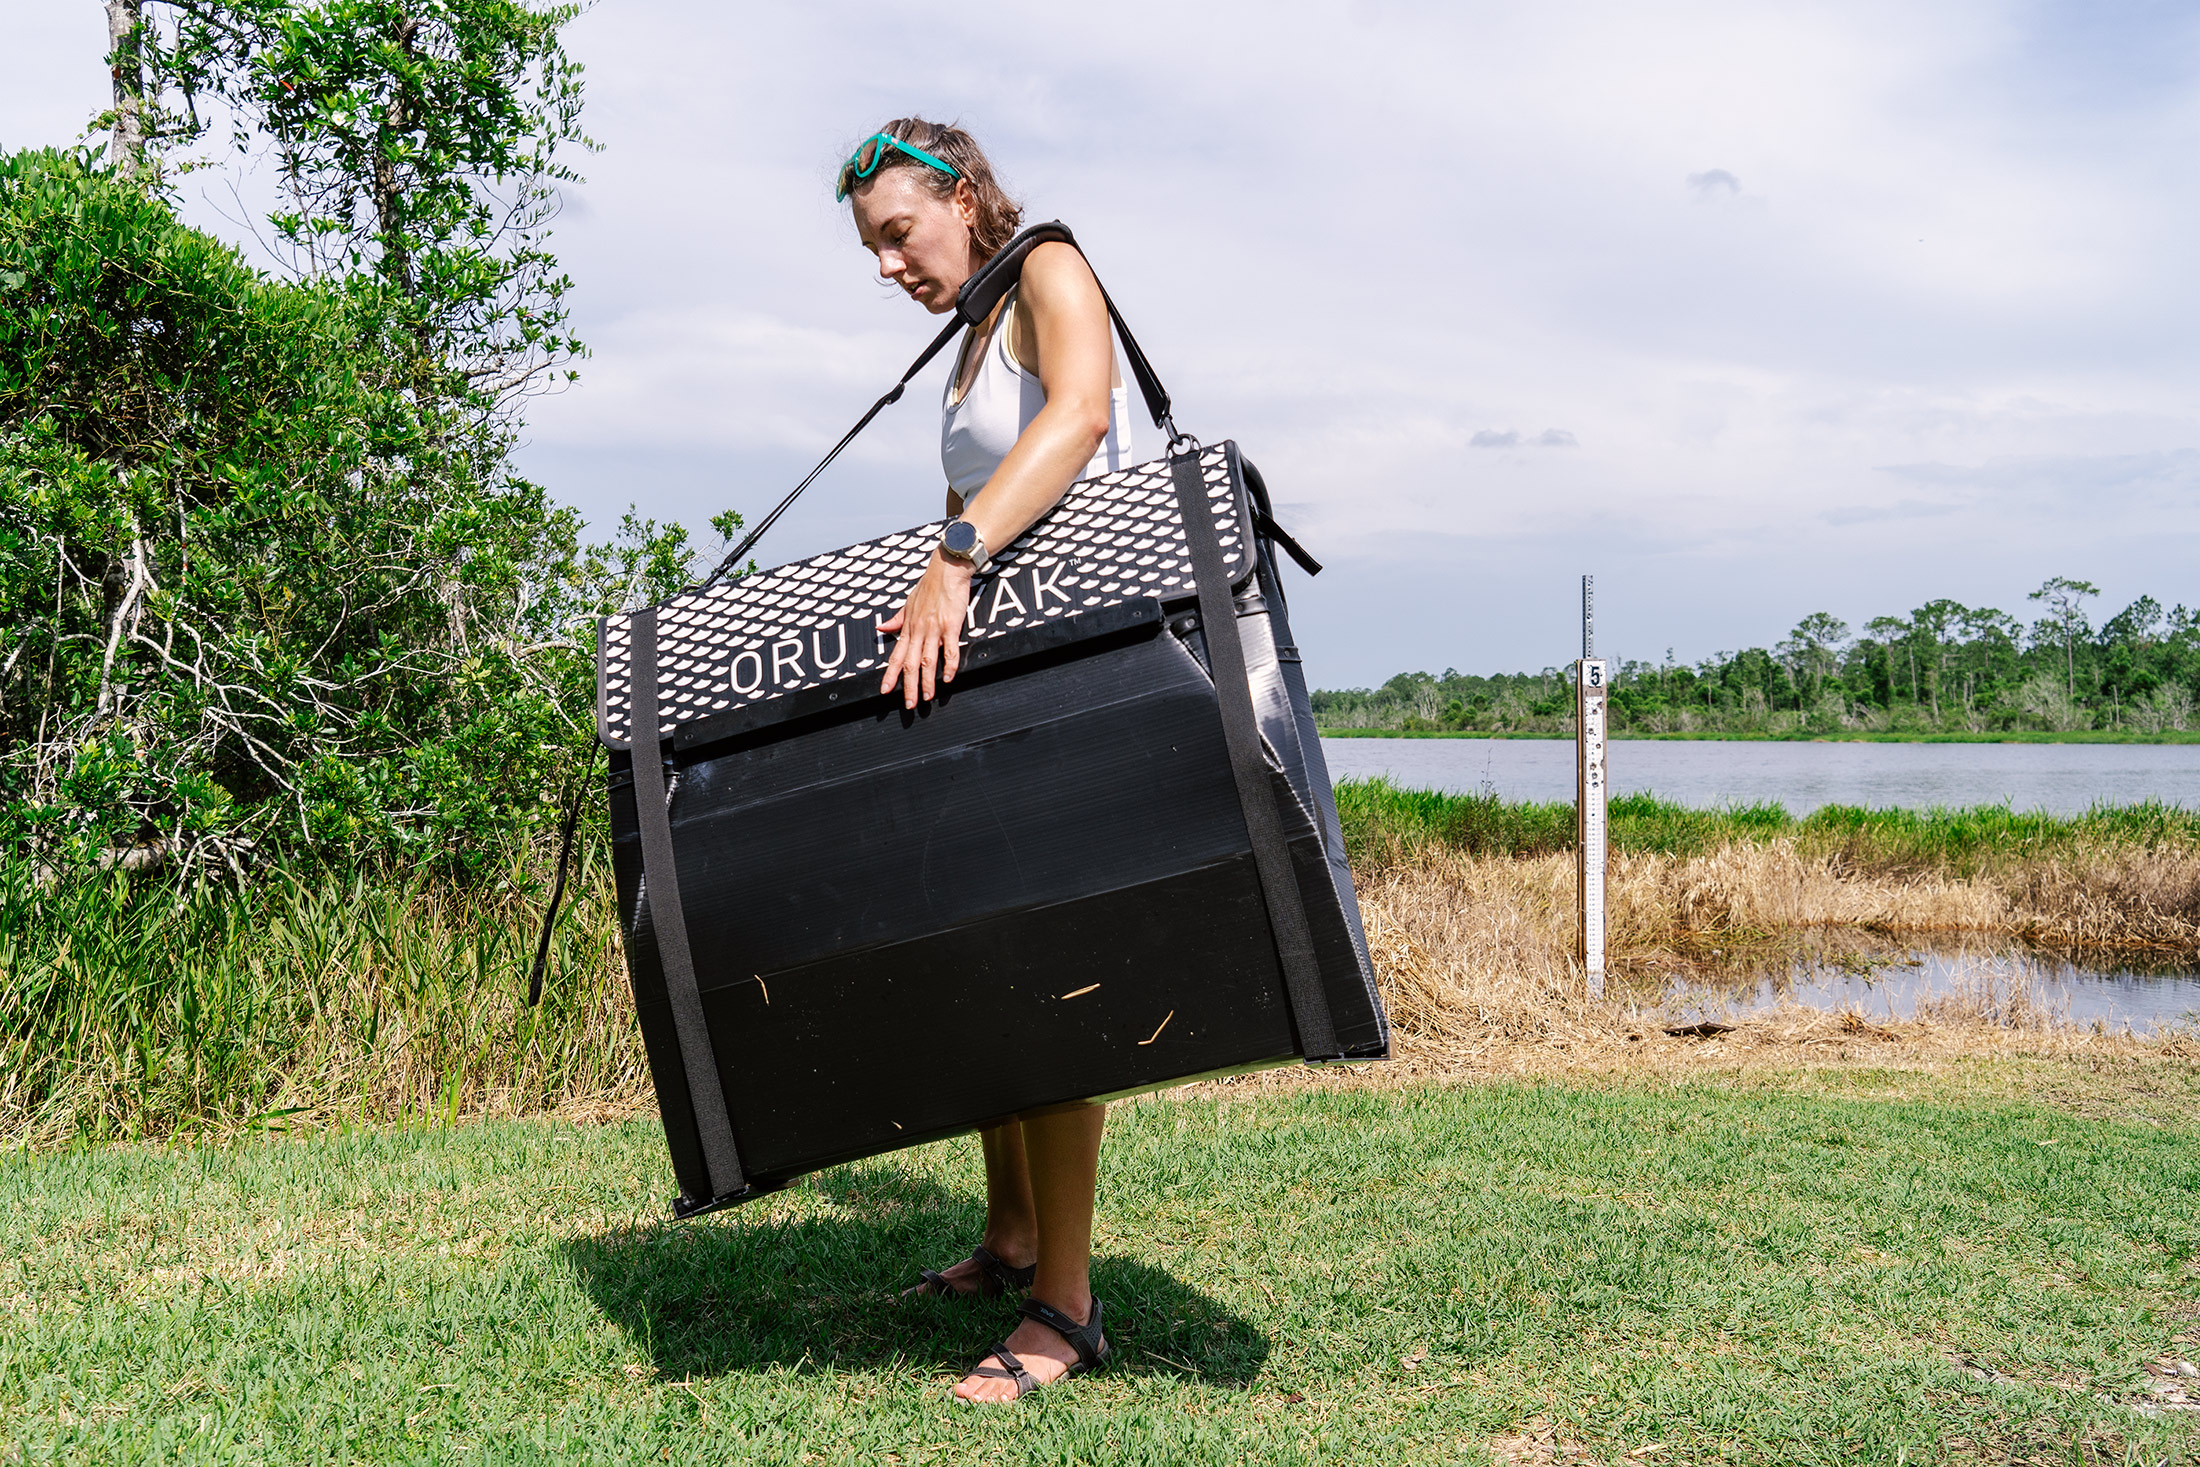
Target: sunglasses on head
865,160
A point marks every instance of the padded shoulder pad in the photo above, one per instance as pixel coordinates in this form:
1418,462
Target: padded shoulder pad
983,291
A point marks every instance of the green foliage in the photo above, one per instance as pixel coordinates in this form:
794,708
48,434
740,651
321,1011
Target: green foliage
257,592
420,143
1944,668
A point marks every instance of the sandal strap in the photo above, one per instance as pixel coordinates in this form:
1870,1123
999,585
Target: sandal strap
1025,1383
1006,1279
1083,1338
937,1282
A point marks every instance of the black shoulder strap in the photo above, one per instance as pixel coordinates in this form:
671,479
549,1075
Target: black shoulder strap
557,890
978,296
1279,882
748,541
983,291
713,1126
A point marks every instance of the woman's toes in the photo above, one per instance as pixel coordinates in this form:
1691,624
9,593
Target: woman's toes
985,1388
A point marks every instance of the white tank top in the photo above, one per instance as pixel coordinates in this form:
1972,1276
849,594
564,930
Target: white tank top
977,432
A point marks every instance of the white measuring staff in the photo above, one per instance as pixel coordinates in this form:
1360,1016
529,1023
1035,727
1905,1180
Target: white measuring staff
1591,684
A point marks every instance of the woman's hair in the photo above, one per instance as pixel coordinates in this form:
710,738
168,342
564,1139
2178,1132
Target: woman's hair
998,214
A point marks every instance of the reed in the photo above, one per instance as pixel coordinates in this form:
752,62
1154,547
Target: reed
1475,956
1474,946
134,1006
139,1007
1384,823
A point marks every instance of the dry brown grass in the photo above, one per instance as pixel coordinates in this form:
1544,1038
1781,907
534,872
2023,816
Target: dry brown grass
379,1007
1475,955
2113,899
1475,958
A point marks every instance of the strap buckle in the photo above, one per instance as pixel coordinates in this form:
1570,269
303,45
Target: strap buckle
1179,441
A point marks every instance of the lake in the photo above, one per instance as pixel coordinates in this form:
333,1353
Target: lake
2063,779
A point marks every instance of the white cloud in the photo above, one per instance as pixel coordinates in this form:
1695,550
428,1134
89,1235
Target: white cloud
1363,238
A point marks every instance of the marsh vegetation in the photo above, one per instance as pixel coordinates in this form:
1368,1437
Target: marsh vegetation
152,1003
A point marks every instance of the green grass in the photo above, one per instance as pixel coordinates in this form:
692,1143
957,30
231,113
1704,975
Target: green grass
140,1006
2009,736
1382,819
1800,1275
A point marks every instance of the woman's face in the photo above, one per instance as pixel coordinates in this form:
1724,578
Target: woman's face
922,241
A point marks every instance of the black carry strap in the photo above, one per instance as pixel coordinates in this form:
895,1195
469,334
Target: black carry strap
1264,520
1266,527
733,557
557,888
712,1123
973,303
983,291
1279,883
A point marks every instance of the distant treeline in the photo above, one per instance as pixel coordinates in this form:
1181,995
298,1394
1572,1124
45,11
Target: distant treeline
1945,667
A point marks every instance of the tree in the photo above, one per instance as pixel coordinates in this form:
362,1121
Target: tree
422,141
1989,647
1932,622
2137,625
2065,622
125,28
1813,647
1893,632
251,602
271,578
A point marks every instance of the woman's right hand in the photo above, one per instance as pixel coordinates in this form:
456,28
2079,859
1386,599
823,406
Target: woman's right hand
929,627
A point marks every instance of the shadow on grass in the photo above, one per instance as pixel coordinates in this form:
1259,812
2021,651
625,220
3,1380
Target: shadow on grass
747,1291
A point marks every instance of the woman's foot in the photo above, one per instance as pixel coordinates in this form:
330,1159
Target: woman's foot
985,1274
1042,1352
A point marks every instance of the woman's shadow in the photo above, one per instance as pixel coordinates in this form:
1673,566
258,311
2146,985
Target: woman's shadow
726,1294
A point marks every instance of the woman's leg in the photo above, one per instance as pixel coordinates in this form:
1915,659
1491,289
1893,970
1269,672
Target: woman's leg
1011,1220
1062,1151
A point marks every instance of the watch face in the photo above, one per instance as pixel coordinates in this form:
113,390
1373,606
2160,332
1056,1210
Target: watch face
960,537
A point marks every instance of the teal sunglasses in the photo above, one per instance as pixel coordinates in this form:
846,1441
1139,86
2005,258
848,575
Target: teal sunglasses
876,145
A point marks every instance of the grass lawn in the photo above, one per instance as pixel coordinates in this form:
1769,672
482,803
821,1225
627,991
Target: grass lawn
1873,1268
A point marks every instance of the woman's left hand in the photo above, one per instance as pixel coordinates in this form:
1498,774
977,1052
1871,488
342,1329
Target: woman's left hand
930,627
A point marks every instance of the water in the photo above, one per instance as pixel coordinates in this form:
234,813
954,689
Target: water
2016,984
2063,779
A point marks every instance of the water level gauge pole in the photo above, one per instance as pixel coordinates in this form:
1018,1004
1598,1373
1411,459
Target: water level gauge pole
1590,845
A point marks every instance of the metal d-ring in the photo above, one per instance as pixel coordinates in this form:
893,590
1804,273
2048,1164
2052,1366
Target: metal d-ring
1177,437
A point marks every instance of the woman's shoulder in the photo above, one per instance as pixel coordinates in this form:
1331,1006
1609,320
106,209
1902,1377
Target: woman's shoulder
1055,271
1058,285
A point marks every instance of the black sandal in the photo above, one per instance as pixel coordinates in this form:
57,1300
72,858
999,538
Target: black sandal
995,1278
1092,1350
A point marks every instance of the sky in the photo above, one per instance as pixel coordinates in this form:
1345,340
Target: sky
1749,310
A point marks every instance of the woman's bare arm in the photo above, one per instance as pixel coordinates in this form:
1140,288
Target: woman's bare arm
1069,320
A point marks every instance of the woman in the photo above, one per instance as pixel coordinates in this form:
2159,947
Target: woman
1034,405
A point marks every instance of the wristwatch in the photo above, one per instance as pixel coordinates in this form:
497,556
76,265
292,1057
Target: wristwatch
961,541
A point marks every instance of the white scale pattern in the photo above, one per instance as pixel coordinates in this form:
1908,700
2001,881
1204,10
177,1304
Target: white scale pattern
1113,539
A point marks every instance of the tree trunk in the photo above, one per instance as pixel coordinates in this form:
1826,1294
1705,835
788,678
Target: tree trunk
127,153
389,196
